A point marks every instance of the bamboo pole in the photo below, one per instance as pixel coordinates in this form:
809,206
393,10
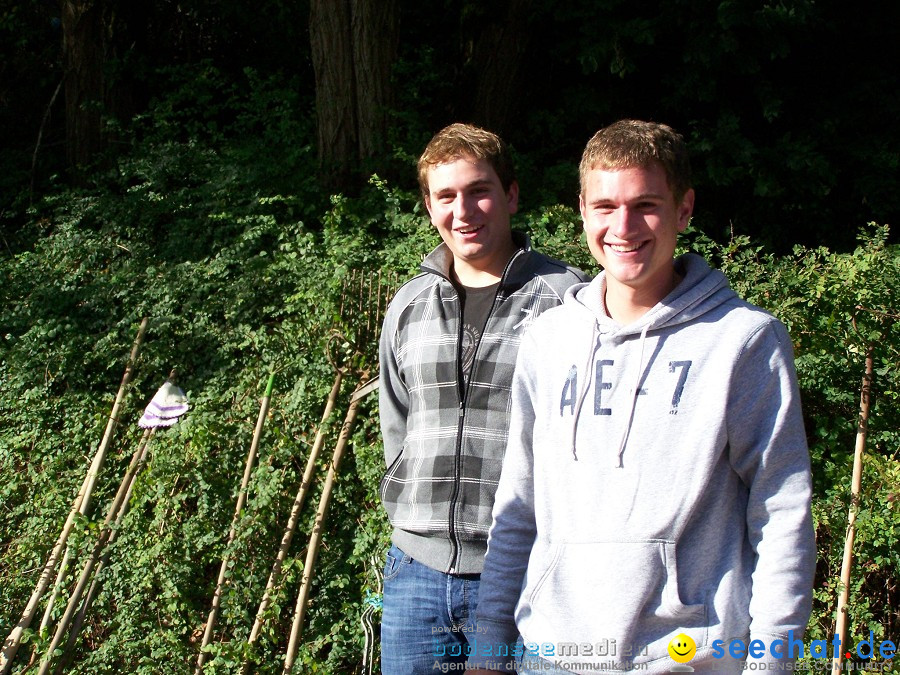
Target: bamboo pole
312,551
63,567
294,518
856,482
239,507
137,462
78,622
118,509
79,507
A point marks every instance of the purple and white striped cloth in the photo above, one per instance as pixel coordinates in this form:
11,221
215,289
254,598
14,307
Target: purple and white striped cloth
164,409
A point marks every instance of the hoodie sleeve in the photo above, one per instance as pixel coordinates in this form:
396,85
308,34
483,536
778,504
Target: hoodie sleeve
768,450
393,396
513,530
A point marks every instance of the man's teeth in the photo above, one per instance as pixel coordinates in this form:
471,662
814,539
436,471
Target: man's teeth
621,248
469,230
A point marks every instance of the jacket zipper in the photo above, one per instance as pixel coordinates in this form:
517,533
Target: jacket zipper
463,399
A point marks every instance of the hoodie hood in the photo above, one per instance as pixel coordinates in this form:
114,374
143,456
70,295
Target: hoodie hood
702,289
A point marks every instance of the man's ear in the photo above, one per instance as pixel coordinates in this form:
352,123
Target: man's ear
427,200
685,209
512,197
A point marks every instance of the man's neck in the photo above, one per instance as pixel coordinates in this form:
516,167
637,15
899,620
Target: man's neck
625,304
479,276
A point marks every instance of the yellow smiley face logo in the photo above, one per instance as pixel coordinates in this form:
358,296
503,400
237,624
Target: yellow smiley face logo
682,648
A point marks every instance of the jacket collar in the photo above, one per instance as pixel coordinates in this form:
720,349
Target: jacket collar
440,260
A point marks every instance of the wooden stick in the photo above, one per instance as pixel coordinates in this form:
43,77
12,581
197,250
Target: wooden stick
79,507
369,314
366,618
294,518
78,622
137,461
239,507
51,601
63,567
856,482
312,551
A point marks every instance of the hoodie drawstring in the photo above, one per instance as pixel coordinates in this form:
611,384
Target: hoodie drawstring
595,343
638,371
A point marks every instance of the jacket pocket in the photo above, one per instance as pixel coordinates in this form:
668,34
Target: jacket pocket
388,475
594,593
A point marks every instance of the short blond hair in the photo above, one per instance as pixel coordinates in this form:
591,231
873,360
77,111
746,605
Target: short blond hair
466,140
628,144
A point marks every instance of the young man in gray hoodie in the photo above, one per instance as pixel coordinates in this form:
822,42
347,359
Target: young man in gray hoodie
654,507
447,352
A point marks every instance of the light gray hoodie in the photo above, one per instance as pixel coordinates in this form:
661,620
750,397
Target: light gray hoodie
623,519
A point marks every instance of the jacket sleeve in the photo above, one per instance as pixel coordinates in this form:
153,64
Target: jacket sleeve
768,450
513,530
393,396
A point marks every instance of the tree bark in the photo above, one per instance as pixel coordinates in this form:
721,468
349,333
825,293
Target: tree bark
332,57
96,34
375,37
353,44
497,59
83,57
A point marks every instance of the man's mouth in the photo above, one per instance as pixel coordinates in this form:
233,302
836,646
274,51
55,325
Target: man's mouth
626,248
470,229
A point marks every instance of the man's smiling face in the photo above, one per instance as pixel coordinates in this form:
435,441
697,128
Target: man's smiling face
632,221
471,211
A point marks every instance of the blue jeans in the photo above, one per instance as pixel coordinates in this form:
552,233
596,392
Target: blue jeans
428,617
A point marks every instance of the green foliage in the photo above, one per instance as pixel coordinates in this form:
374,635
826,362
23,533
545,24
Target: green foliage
235,285
212,226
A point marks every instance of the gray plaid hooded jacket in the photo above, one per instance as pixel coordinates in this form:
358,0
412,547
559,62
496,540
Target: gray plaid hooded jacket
443,443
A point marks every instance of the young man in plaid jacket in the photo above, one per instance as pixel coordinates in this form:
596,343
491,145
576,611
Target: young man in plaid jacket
448,349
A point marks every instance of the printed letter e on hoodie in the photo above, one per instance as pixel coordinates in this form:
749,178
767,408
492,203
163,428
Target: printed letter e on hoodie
600,386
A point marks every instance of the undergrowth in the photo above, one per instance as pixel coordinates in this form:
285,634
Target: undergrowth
243,273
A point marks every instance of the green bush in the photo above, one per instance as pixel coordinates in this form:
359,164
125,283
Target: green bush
242,275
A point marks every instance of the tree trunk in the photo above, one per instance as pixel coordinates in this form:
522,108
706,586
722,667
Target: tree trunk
497,59
332,57
96,34
375,36
83,39
353,44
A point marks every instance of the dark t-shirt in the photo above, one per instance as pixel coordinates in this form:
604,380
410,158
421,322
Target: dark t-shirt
476,303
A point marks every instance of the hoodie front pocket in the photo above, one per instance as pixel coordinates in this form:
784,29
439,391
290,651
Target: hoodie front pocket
598,592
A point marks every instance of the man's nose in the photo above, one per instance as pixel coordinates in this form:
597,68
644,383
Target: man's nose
462,207
623,221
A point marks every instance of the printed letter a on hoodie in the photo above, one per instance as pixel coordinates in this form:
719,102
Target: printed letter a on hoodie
569,392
